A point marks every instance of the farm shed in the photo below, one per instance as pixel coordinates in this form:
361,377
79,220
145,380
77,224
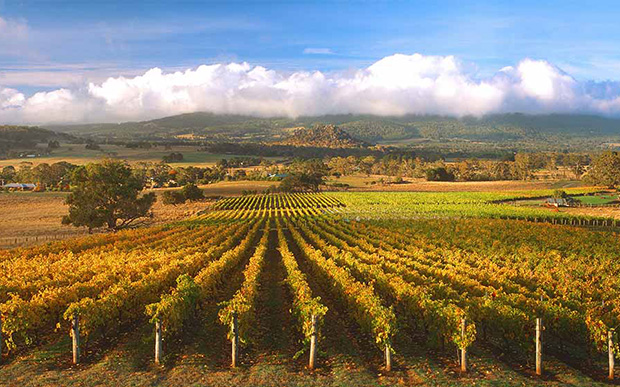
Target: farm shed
560,202
19,186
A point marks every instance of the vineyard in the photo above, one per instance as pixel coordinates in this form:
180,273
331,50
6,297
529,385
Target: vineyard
408,205
326,289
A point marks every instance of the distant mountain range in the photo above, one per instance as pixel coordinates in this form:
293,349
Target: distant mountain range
372,129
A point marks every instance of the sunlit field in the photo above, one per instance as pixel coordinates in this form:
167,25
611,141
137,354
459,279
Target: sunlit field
77,154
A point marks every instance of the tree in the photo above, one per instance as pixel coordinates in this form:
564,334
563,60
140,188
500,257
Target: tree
305,175
107,194
367,163
605,170
301,182
523,165
190,174
60,173
559,194
192,193
439,174
8,173
576,163
155,172
223,163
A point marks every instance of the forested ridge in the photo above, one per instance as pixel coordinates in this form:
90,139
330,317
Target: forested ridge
499,128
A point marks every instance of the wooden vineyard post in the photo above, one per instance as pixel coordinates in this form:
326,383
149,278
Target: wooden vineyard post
388,358
0,339
313,338
235,340
75,334
610,349
539,328
158,342
463,349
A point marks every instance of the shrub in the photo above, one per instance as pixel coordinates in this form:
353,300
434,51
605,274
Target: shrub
92,146
173,197
173,157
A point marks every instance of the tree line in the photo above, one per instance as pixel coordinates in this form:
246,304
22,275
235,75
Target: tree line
59,176
520,166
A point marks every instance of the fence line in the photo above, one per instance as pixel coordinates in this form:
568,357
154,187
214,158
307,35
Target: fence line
36,239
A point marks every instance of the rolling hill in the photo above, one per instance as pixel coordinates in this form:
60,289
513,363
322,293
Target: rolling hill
322,136
559,132
13,138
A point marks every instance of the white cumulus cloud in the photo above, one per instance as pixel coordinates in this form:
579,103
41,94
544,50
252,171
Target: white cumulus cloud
10,99
395,85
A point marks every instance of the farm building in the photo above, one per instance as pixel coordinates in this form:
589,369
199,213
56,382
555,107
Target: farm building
560,202
19,186
278,175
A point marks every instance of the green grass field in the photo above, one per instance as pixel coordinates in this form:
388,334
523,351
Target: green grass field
593,200
597,200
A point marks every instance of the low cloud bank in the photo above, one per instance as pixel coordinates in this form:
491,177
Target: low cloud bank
395,85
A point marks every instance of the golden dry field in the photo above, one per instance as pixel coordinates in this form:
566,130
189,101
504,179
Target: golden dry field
28,218
605,212
77,154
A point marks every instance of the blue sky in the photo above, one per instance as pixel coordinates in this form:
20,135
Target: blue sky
46,45
581,38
